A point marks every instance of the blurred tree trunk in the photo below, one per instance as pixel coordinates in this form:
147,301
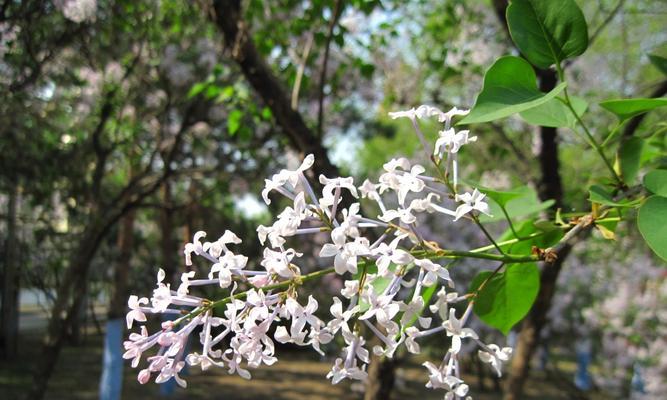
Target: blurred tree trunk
381,378
111,381
11,281
168,245
550,187
68,301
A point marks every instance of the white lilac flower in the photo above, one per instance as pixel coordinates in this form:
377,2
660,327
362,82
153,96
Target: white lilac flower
443,299
287,224
439,379
351,289
340,317
136,313
226,266
184,287
496,357
280,262
386,254
401,178
451,141
215,249
456,330
433,271
413,310
382,307
331,184
171,370
410,342
339,372
280,179
471,201
345,253
194,247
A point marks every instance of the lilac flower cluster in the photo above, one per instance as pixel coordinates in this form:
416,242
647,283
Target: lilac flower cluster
384,261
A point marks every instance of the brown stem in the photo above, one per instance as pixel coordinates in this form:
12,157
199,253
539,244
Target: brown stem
228,17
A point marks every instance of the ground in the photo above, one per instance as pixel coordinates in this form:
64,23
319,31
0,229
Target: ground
298,375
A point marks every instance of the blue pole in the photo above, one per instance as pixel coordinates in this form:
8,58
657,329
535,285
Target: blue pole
111,383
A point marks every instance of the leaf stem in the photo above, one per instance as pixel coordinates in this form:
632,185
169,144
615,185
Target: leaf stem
591,140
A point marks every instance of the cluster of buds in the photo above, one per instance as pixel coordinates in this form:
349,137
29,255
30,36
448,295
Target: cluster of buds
386,265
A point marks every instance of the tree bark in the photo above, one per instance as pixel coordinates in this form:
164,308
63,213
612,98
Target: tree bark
11,281
381,378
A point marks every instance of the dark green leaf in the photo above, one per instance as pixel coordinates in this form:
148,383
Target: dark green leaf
506,297
656,182
601,195
659,62
509,88
652,223
554,113
628,108
547,31
629,155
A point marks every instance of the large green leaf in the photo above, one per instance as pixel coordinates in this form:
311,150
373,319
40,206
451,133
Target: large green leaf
628,108
526,204
506,297
629,156
659,62
656,182
652,223
554,113
509,88
547,31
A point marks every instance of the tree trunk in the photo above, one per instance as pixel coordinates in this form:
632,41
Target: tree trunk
550,188
167,243
11,282
111,381
381,378
68,301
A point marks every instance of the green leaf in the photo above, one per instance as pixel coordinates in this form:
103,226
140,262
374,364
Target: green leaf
659,62
599,194
628,157
507,296
509,87
500,197
628,108
652,223
526,204
656,182
525,229
555,114
196,89
547,31
234,121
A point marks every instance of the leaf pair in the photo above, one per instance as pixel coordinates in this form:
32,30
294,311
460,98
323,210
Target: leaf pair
546,32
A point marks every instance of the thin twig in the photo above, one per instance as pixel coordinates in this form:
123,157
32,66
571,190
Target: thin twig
323,72
299,72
